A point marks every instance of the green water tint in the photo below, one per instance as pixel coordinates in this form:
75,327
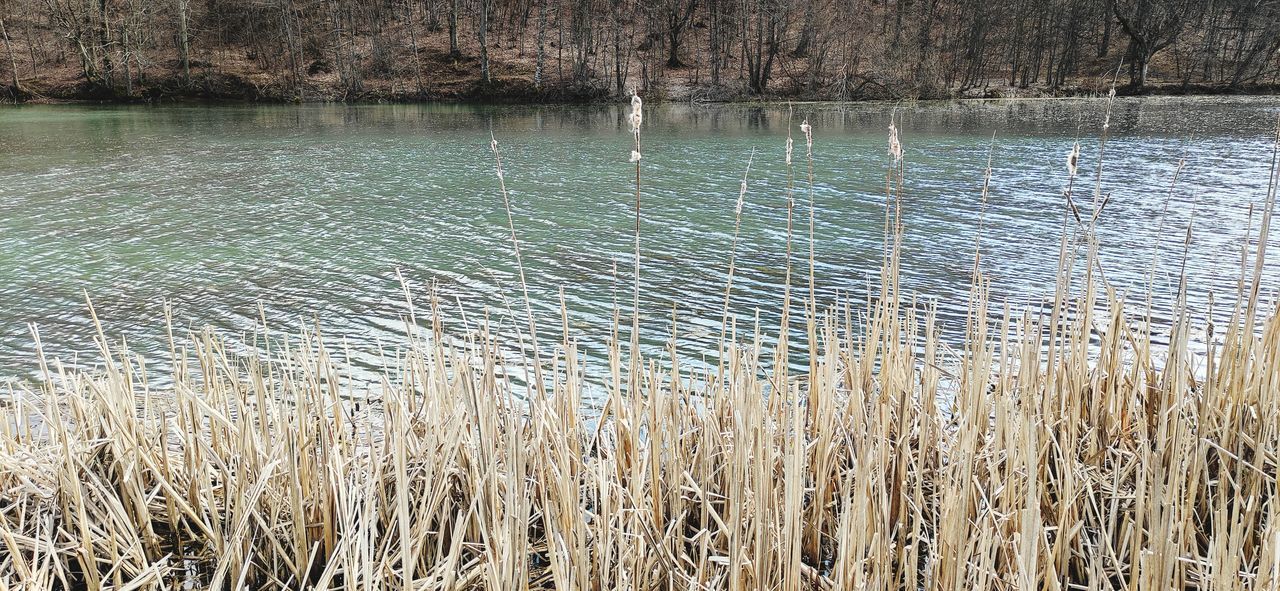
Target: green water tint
309,211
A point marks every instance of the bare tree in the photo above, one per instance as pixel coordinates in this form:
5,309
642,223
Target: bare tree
1256,25
482,32
13,62
542,45
75,19
1151,26
454,52
413,39
822,48
678,13
767,26
184,42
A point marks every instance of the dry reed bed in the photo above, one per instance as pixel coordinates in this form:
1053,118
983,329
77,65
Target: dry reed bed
1058,464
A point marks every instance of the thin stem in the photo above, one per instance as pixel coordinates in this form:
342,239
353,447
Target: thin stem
539,387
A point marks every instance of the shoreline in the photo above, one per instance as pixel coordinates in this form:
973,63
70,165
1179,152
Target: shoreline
248,94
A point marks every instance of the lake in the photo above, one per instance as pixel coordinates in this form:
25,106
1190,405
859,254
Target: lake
304,214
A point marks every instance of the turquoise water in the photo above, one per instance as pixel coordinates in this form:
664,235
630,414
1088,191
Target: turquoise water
304,214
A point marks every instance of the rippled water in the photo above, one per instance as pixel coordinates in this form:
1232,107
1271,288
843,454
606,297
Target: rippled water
308,211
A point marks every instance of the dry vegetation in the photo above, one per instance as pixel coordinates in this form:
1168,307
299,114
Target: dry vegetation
1060,451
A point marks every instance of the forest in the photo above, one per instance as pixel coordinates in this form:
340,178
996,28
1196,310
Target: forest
692,50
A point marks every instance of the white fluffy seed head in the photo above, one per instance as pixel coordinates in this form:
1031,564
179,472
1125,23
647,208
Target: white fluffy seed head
1073,159
895,145
808,134
637,113
789,146
635,156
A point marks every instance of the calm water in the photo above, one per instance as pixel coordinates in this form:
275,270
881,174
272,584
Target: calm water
309,211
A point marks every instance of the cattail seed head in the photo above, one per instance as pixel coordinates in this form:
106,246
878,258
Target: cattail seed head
637,116
895,145
1073,159
789,146
635,156
808,134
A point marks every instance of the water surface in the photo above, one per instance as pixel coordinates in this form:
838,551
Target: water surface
304,214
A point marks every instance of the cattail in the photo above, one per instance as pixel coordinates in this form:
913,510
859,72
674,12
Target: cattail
1073,159
637,116
493,145
742,188
807,130
789,146
1106,120
895,146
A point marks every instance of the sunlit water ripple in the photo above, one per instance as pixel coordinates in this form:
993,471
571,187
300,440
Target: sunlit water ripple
308,212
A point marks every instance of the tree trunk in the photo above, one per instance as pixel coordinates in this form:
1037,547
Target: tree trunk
673,53
431,9
293,45
412,24
482,35
31,49
619,72
13,62
713,41
454,52
1107,22
184,44
337,39
744,17
1139,67
126,56
542,45
806,31
353,59
104,45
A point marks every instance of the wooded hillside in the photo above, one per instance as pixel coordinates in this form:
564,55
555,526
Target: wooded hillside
585,49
